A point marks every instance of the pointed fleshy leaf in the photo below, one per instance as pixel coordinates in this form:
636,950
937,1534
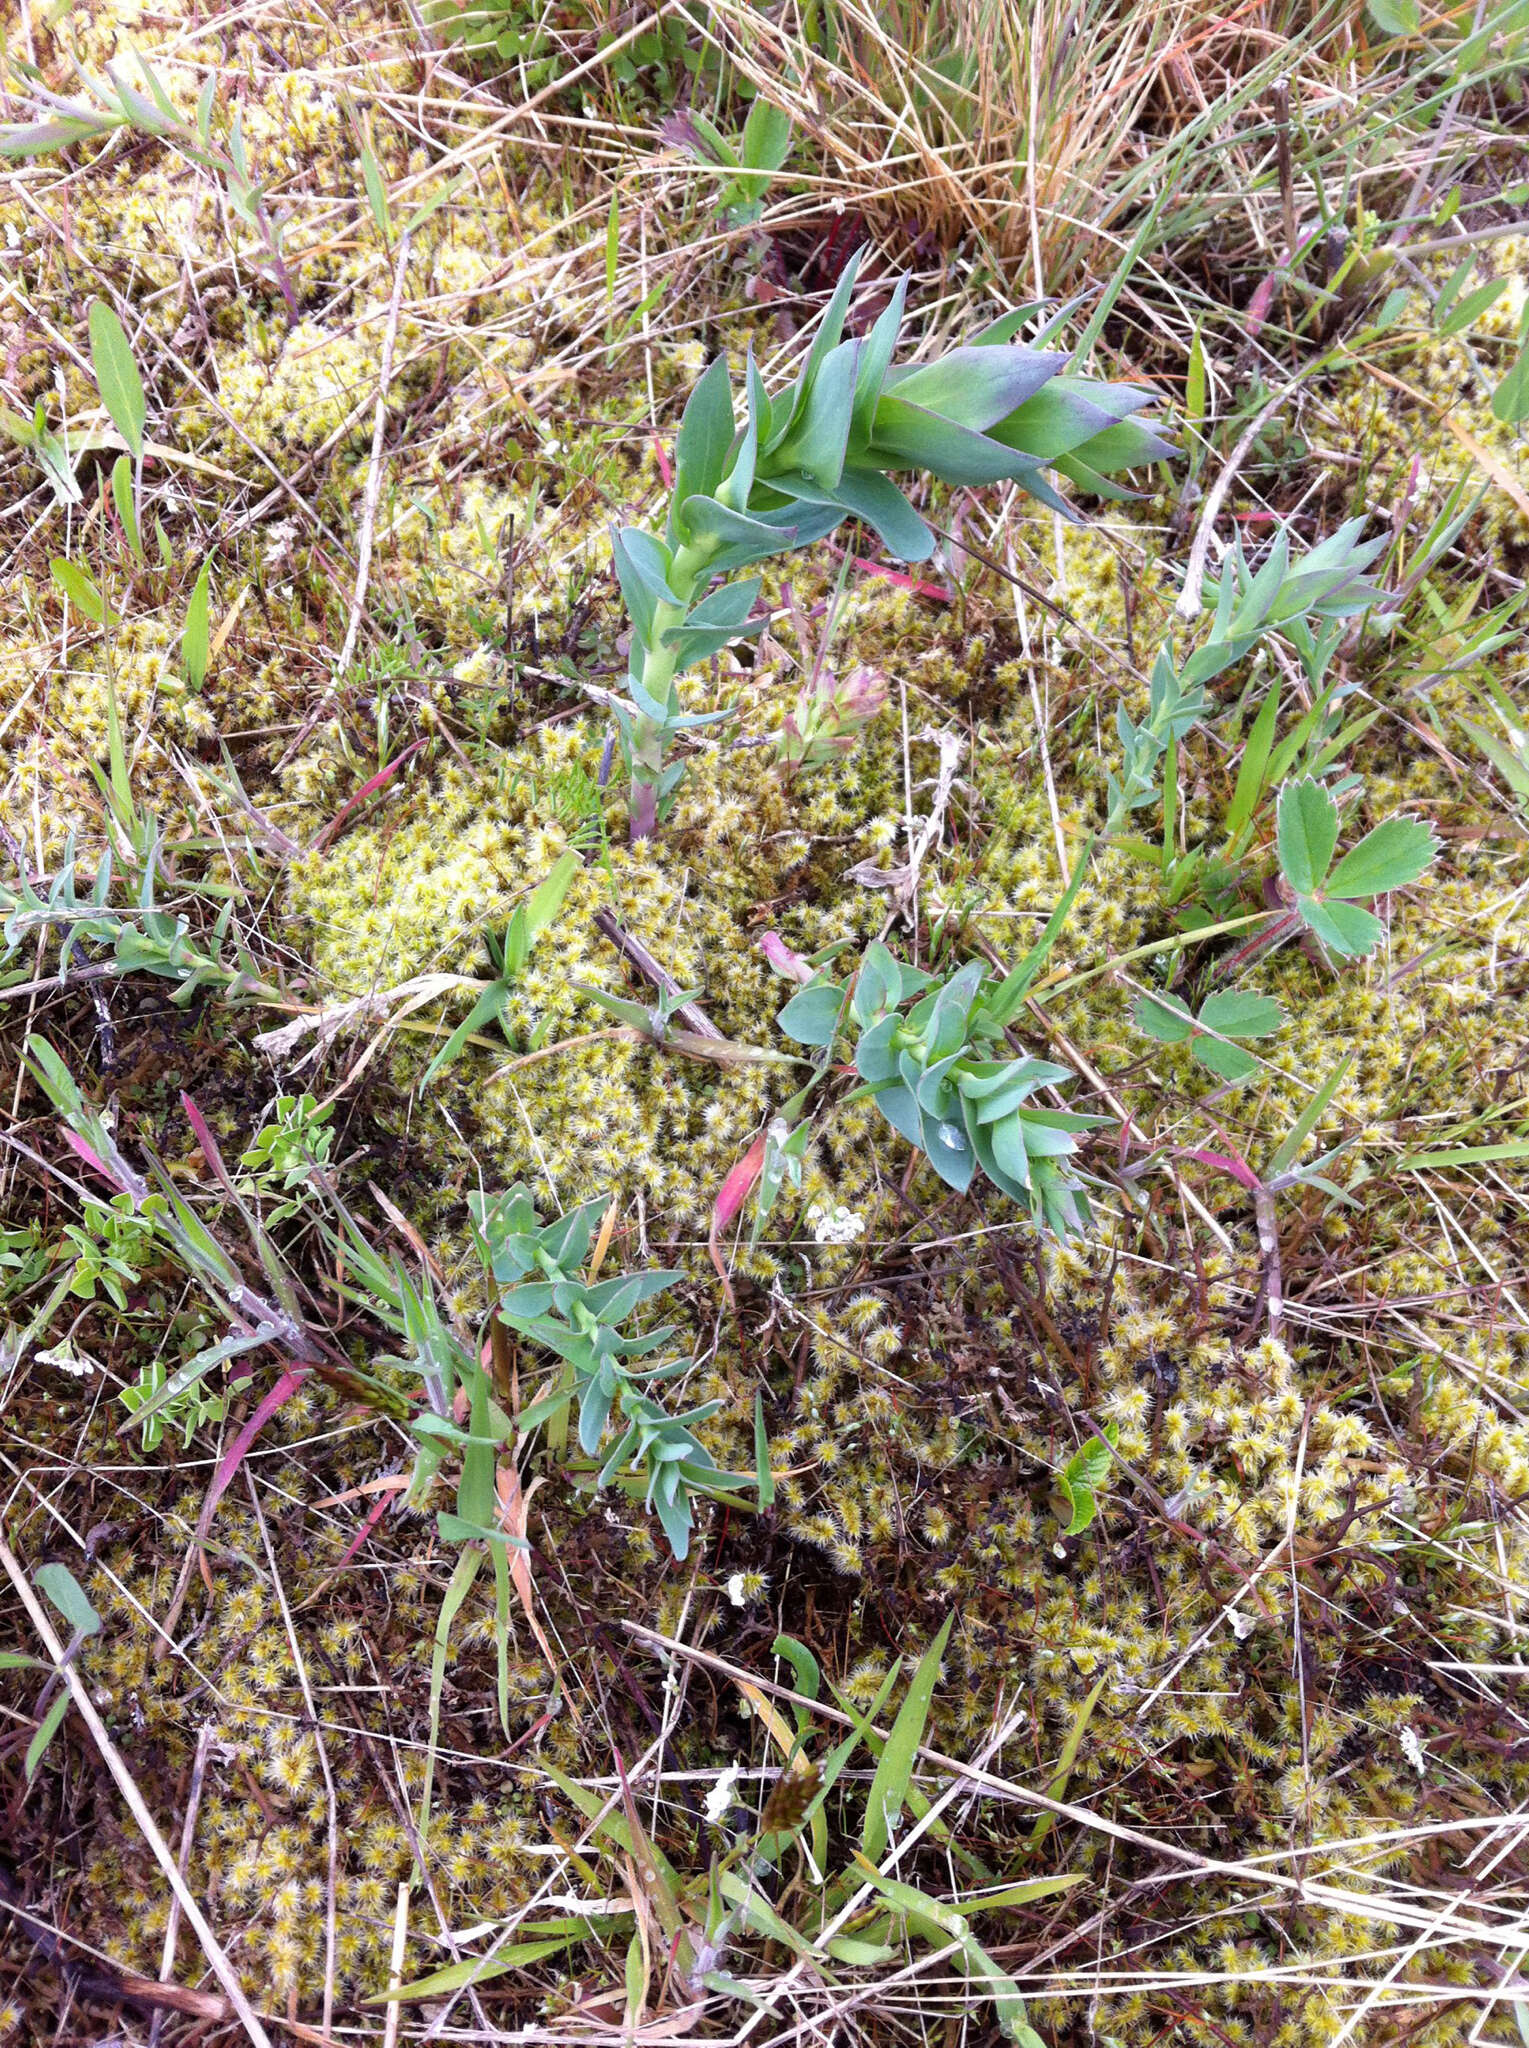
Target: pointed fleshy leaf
812,1016
874,499
705,439
875,361
899,1106
907,436
975,387
949,1150
819,437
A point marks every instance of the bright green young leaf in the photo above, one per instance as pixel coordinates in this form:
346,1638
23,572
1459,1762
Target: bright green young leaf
1081,1478
69,1597
1390,857
1510,401
1307,829
474,1970
127,510
117,377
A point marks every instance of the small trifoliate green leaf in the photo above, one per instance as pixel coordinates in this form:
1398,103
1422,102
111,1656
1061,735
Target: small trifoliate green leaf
1343,926
1229,1062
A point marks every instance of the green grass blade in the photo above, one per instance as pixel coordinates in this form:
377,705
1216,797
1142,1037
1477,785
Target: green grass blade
889,1787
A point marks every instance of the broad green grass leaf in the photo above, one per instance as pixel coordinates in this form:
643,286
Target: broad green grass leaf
889,1787
764,1478
1254,769
69,1597
81,591
939,1922
1307,826
1510,401
1390,857
376,191
1285,1156
127,510
1194,382
1021,1894
473,1970
117,377
1472,306
457,1590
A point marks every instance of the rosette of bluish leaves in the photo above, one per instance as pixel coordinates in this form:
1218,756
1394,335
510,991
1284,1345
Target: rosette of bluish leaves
932,1072
1309,600
826,449
542,1296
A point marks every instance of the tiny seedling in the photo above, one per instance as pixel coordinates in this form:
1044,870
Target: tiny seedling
508,957
285,1153
752,161
1082,1476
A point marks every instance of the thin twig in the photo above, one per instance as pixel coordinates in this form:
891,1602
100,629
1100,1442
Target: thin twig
370,495
373,489
204,1743
651,971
